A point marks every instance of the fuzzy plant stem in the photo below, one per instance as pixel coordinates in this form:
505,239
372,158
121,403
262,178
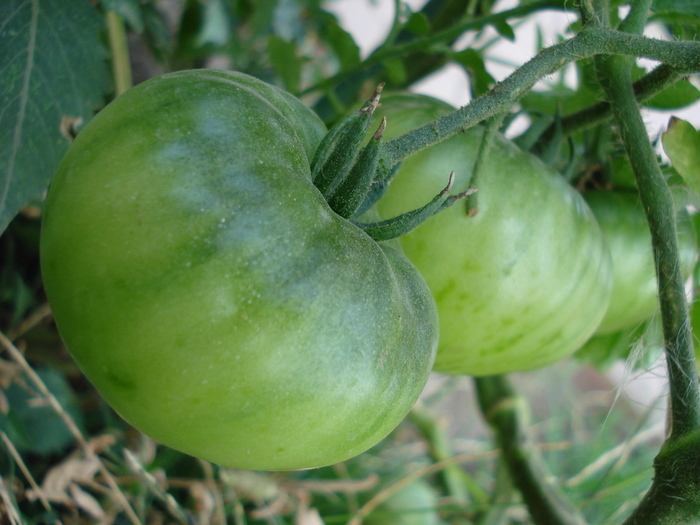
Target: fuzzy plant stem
615,75
674,497
590,41
500,406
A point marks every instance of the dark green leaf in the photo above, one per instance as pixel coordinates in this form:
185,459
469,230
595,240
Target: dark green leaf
283,56
682,145
505,30
418,24
42,428
342,44
395,71
687,7
680,95
129,10
53,80
480,80
263,17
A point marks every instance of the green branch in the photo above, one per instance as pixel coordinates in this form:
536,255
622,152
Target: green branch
500,406
589,42
615,75
674,496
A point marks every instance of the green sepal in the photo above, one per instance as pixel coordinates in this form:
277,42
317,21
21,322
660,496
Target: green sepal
406,222
336,153
377,191
349,195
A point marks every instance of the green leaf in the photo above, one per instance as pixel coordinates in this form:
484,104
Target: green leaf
395,71
418,24
682,145
480,80
681,94
41,429
504,29
342,43
687,7
283,56
53,80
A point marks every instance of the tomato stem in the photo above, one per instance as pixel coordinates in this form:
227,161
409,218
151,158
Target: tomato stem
615,75
590,41
673,497
420,45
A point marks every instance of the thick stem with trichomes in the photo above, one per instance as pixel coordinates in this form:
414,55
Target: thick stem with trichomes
615,77
590,41
674,496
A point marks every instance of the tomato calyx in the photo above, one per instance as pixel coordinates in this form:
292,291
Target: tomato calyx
409,221
349,195
336,153
347,176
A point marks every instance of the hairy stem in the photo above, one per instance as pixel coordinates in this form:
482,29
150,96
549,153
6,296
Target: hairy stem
674,496
594,40
499,404
615,76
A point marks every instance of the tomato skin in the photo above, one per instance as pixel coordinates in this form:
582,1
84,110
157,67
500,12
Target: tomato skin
522,284
626,231
204,286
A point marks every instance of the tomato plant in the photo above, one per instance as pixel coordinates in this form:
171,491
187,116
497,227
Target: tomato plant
205,287
215,262
525,281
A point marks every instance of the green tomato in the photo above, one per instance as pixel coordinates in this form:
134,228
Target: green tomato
626,232
204,286
524,282
414,504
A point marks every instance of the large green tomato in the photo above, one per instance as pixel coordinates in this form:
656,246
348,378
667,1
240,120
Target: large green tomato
626,231
524,282
205,287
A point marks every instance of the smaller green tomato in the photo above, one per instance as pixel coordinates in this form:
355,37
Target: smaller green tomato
525,281
626,231
414,504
